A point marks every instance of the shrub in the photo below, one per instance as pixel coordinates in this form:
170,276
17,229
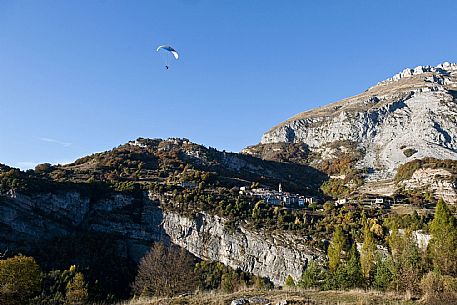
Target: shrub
53,287
229,282
215,275
409,152
289,282
439,289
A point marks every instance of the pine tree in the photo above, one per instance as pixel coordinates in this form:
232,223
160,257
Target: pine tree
76,293
311,276
383,274
336,249
354,277
289,282
443,245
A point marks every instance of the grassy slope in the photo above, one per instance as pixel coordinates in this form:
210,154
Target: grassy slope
292,296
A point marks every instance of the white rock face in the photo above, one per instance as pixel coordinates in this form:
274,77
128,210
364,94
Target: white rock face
269,255
422,239
439,181
441,69
37,218
415,109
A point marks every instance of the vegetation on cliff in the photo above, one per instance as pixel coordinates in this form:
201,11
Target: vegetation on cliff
405,171
367,247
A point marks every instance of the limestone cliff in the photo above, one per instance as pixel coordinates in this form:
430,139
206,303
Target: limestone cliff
269,255
28,221
409,116
439,182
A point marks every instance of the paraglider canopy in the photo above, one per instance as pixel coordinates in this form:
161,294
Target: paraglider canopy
169,49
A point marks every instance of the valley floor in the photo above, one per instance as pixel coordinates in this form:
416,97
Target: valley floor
299,297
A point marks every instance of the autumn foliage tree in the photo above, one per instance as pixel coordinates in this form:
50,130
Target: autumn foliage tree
165,271
20,280
368,251
76,292
336,249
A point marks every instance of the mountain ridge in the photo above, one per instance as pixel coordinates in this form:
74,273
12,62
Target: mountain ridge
414,112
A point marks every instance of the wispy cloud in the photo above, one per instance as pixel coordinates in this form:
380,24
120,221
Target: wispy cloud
49,140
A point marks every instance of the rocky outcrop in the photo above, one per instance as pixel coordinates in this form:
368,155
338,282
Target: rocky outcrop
414,111
440,70
138,221
439,182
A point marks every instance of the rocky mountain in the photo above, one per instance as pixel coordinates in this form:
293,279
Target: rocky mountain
42,220
412,115
107,209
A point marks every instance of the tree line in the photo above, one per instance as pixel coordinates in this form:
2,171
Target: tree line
402,267
399,264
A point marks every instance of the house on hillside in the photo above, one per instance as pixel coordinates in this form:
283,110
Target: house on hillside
189,184
341,202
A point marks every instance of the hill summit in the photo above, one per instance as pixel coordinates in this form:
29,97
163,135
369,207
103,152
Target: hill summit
412,115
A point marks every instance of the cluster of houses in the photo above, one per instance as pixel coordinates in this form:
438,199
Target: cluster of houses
369,200
278,197
281,198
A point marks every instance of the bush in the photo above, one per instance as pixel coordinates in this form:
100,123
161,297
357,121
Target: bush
215,275
20,280
53,288
409,152
43,168
229,282
439,289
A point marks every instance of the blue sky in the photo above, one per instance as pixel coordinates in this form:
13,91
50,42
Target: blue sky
78,77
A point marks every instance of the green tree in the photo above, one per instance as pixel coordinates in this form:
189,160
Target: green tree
229,281
312,276
20,280
209,274
76,293
289,282
368,252
353,269
383,274
443,245
348,274
336,249
406,261
262,283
